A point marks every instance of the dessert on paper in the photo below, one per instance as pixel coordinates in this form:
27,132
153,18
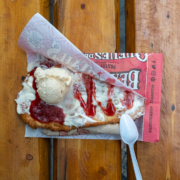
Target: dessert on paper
145,77
70,92
57,98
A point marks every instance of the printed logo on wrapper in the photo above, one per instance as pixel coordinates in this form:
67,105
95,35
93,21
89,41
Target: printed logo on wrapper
143,57
129,78
82,131
55,49
34,39
62,133
68,60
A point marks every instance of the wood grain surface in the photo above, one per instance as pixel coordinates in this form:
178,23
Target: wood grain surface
92,26
157,29
20,158
130,47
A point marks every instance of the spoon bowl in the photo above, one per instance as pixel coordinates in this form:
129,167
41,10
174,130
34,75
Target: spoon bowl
128,129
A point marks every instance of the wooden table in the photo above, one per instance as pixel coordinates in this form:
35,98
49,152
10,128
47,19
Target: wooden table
153,26
93,26
20,158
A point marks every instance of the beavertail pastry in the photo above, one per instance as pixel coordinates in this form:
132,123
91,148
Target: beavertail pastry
56,98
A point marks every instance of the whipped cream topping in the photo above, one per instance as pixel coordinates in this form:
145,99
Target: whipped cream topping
74,113
25,96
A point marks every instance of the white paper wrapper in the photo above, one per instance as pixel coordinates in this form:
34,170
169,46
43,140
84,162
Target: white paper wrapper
40,39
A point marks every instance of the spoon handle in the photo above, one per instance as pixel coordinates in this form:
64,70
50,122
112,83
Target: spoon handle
135,164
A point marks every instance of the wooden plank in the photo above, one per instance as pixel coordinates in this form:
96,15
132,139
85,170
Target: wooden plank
93,27
21,158
157,29
130,26
130,47
95,23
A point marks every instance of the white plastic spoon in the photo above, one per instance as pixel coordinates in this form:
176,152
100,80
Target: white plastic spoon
129,134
